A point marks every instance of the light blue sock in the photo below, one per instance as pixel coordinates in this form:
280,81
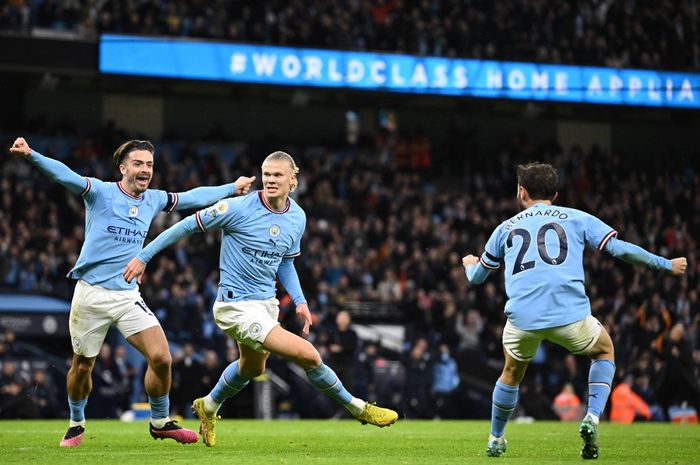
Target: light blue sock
160,406
77,409
600,378
230,383
505,398
326,381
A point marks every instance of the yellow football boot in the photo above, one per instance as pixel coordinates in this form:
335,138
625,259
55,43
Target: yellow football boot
207,423
377,416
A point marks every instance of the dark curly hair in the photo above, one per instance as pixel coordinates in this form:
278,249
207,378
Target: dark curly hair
539,179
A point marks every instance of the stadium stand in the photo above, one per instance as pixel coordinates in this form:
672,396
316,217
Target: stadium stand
640,34
387,236
388,218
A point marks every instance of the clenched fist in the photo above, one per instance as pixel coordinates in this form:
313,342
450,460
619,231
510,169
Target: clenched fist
21,148
678,266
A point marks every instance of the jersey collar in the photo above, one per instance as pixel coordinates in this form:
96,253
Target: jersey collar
121,188
265,204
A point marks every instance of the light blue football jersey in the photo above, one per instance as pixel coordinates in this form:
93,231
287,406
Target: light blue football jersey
255,240
116,225
542,249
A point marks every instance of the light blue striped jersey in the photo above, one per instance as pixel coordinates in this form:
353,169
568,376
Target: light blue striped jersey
542,249
255,240
116,225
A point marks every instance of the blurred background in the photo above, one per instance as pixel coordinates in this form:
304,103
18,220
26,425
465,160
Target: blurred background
407,164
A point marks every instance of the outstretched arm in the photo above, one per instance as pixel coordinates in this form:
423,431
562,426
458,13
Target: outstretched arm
638,256
207,195
287,275
137,265
475,270
53,169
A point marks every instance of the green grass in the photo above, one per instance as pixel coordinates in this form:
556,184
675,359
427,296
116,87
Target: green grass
308,442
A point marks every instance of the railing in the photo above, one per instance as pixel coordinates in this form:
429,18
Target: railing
374,311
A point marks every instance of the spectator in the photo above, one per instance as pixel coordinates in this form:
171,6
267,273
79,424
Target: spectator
445,384
45,395
15,397
211,369
588,32
109,396
380,207
535,403
8,340
188,373
567,404
469,328
342,344
418,381
625,405
363,372
677,381
127,373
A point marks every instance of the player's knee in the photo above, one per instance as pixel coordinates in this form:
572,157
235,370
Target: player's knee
161,359
603,349
83,368
603,355
308,357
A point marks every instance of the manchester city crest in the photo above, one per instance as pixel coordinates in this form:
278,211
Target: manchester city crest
133,211
275,230
255,329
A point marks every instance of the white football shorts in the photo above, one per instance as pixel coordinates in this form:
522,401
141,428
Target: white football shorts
248,321
577,337
94,309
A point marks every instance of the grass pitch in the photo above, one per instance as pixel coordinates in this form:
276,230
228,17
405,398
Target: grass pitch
311,442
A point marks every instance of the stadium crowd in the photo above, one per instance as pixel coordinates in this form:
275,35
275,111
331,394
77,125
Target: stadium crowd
382,231
646,34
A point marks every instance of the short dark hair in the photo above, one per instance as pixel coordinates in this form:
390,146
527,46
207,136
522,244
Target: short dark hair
539,179
127,147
